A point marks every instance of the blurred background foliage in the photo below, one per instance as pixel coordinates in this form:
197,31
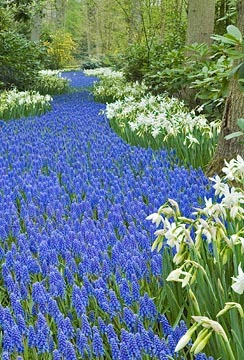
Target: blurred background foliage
155,41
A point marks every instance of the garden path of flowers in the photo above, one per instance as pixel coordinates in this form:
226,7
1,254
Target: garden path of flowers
78,278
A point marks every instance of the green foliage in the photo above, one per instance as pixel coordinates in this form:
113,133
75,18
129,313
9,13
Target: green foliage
60,46
51,84
91,63
19,61
135,62
198,78
198,74
6,19
234,43
166,73
139,59
225,14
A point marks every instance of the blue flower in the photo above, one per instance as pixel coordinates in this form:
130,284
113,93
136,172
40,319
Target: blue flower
5,355
70,351
7,342
114,302
97,343
102,325
21,324
146,342
132,347
125,292
68,328
115,353
135,290
124,355
56,355
81,342
167,329
17,339
31,337
74,199
61,342
85,326
42,341
128,317
110,332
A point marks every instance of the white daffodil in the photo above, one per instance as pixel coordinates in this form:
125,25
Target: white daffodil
175,276
229,170
238,285
219,186
239,167
211,324
156,218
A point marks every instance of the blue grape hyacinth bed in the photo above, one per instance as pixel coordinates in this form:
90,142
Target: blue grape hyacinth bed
75,245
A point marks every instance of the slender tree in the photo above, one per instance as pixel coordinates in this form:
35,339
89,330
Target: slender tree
200,21
234,109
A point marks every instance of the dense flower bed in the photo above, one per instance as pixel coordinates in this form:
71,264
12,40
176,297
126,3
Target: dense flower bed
78,278
16,104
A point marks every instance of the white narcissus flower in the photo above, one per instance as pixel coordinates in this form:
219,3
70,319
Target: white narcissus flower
175,276
240,166
192,140
186,338
219,186
229,170
238,285
211,324
155,217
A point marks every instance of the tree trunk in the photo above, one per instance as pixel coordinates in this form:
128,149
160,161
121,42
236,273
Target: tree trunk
135,21
200,21
60,6
36,24
234,109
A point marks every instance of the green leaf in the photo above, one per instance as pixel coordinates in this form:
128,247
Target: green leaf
240,123
225,39
234,70
234,135
235,32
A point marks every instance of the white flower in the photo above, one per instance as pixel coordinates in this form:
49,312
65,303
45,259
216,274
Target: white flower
211,324
175,276
219,186
229,170
238,285
240,166
232,198
155,217
192,140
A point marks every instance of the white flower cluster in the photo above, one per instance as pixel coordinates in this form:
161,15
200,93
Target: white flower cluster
118,89
15,104
103,72
160,115
24,97
219,223
57,73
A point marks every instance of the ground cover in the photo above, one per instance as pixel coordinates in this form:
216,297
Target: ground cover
78,278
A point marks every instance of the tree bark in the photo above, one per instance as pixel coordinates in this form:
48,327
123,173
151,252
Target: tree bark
135,21
60,6
200,21
36,24
234,109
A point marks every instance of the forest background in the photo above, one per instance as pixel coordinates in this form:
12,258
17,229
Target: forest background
168,44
